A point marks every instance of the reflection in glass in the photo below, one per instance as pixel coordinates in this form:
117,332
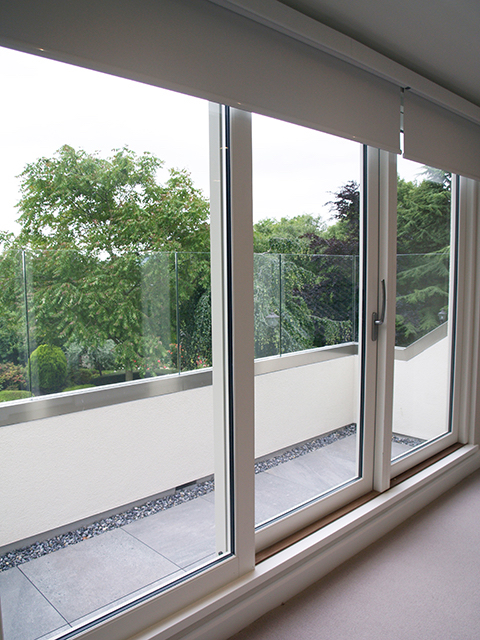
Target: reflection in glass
423,307
306,283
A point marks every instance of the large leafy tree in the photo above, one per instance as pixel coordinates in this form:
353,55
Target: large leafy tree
287,235
327,280
100,236
112,206
423,236
333,297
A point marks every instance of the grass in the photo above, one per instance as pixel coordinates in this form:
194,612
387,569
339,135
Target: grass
78,386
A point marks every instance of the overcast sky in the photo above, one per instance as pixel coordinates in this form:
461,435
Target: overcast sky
47,104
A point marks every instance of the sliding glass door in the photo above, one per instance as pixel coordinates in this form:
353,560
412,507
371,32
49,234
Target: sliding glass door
354,314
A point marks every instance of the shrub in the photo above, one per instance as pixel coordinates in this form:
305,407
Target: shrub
48,367
80,376
12,377
7,395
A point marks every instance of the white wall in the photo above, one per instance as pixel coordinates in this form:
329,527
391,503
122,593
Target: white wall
421,393
300,403
62,469
59,470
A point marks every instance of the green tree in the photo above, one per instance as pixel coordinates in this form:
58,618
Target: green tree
342,238
48,369
423,254
287,235
423,216
12,316
332,296
99,234
282,271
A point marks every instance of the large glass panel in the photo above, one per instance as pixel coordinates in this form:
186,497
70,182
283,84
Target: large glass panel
424,307
107,432
306,284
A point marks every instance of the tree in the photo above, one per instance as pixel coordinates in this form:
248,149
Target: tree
287,235
12,316
423,216
81,201
423,237
99,236
282,270
342,238
423,254
332,296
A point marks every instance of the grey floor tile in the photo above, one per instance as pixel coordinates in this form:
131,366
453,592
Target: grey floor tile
26,614
274,495
289,484
130,598
323,469
398,448
209,497
84,577
184,534
88,579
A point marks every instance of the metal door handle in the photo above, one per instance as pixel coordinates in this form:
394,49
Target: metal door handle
377,321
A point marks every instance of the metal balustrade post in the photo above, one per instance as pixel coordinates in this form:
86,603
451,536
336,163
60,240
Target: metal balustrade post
177,316
27,324
280,310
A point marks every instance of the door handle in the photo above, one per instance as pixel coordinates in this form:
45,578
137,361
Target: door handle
376,320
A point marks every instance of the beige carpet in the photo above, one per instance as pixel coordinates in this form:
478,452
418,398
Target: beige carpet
422,581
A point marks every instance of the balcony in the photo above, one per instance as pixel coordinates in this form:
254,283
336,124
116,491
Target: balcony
127,469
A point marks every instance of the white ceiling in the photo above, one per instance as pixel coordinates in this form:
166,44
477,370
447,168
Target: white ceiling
440,39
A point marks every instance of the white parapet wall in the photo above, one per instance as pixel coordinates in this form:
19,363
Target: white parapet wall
94,452
422,387
64,468
300,403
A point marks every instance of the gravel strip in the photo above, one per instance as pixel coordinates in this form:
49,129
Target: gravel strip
196,490
410,442
306,447
38,549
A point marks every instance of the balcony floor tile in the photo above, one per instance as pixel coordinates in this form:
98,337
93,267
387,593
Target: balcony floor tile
26,613
84,577
399,448
274,495
289,484
81,582
323,469
185,534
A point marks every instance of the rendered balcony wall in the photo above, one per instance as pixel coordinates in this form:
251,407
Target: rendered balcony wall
60,470
66,468
421,392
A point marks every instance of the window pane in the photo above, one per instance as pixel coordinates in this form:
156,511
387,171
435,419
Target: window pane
306,237
424,307
107,439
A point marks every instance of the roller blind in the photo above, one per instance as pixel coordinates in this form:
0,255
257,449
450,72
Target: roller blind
200,48
440,138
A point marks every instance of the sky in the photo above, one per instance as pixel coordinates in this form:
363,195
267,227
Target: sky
47,104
